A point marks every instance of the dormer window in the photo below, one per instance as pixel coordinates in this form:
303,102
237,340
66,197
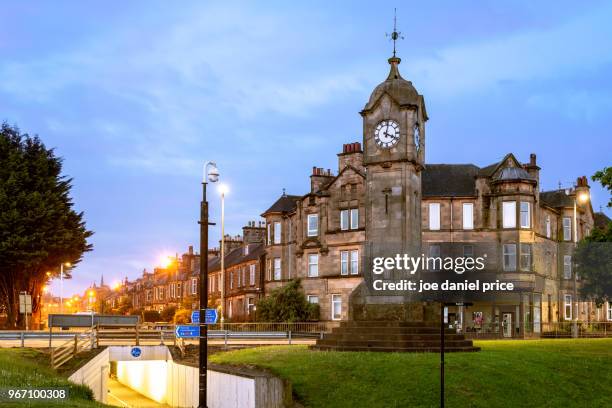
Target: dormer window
417,136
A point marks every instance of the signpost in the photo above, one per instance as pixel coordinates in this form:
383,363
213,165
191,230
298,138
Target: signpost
210,317
25,306
443,322
184,331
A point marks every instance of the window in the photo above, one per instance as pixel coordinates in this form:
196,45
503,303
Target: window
239,278
468,251
567,229
525,261
313,225
244,277
354,218
313,299
252,274
336,307
436,262
277,269
269,269
269,234
313,265
509,257
231,279
277,232
344,220
354,262
344,262
194,286
434,216
609,314
250,305
230,309
548,229
509,214
468,216
210,284
525,214
567,266
567,307
246,250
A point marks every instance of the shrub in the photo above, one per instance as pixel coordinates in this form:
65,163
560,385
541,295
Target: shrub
150,316
167,314
182,316
287,304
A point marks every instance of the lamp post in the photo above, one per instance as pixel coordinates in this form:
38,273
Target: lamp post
223,190
211,174
581,197
62,284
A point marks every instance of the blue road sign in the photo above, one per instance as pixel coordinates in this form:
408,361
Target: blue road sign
184,331
210,317
136,352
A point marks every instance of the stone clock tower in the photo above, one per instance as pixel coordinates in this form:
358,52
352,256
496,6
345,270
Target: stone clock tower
394,155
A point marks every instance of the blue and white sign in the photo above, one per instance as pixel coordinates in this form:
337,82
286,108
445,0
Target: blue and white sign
210,317
136,352
185,331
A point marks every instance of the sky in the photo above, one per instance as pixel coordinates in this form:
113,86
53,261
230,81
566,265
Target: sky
137,96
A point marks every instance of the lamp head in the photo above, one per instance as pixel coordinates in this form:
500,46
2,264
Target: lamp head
583,197
211,172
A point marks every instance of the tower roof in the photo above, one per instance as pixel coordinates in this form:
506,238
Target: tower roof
399,89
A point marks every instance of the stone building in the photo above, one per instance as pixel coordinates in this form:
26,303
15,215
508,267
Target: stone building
385,197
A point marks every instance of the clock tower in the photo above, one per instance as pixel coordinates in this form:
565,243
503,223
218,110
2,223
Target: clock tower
394,155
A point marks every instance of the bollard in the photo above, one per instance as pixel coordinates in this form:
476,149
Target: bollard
289,335
22,340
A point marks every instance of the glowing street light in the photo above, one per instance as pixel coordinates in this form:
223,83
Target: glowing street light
580,196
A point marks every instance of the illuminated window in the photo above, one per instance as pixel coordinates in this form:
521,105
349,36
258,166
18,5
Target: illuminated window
509,214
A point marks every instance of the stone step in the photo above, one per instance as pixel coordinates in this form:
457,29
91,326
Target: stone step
391,330
395,336
396,349
395,344
382,323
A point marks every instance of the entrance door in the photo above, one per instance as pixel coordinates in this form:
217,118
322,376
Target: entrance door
507,324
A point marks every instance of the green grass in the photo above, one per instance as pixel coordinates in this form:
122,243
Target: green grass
513,373
28,368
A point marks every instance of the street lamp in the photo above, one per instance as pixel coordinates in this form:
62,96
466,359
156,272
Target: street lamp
581,197
223,189
68,264
211,175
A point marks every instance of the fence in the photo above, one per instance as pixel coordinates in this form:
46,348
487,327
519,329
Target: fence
65,352
585,329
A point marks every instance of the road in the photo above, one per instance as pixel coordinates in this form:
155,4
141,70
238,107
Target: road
121,396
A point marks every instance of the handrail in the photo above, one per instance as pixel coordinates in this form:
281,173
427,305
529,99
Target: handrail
66,351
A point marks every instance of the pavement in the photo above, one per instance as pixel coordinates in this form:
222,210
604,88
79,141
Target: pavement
121,396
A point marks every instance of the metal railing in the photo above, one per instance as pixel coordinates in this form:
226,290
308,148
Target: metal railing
298,327
585,329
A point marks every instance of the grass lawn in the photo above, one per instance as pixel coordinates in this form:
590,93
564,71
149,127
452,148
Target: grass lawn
27,368
512,373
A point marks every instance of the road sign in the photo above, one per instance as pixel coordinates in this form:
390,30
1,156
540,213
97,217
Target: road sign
25,303
210,317
136,352
185,331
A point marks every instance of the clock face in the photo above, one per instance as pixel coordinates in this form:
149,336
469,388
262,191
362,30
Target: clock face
387,134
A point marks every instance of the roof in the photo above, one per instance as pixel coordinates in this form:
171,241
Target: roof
556,199
286,203
601,220
236,257
401,90
456,180
513,173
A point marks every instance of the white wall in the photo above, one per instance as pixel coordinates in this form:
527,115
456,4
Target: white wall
94,374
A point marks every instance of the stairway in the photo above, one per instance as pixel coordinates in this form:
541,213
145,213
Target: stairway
392,336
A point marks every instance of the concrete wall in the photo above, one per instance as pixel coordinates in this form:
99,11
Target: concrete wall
94,374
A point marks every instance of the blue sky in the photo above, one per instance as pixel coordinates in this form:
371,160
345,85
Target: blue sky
137,97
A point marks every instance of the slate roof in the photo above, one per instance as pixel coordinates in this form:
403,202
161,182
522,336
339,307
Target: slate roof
455,180
514,173
285,204
556,199
236,257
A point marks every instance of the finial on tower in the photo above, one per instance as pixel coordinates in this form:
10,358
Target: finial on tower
395,35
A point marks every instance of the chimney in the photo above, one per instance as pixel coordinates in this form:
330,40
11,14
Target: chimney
253,234
190,249
319,178
351,155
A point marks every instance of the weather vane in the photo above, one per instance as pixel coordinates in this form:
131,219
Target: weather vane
395,35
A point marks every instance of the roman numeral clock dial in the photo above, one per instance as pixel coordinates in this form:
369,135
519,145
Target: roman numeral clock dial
387,134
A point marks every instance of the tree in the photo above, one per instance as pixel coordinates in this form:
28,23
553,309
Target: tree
605,178
167,315
39,228
287,304
593,257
